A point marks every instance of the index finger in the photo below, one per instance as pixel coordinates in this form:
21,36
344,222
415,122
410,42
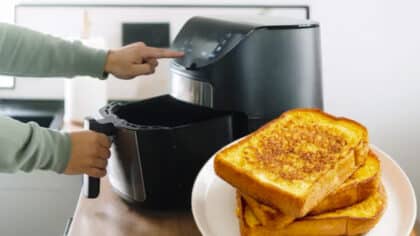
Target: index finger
153,52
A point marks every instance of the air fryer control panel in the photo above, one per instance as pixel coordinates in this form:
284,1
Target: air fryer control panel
199,51
206,40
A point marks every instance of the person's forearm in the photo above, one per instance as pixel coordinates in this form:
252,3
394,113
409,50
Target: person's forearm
24,52
27,147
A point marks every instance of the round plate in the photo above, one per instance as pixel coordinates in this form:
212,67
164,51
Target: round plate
214,204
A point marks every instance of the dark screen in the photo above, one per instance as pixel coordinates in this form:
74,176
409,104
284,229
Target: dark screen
152,34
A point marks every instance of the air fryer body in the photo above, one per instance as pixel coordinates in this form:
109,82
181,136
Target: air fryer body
269,70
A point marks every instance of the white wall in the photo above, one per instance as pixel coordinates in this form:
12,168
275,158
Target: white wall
6,10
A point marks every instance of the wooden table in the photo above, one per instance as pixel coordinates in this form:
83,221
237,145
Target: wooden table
109,215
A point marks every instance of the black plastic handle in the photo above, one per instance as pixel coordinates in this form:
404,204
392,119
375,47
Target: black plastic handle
91,185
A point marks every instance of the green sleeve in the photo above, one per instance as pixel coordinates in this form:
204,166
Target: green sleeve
24,52
27,147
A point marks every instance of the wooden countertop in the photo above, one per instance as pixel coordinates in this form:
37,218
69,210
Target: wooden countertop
109,215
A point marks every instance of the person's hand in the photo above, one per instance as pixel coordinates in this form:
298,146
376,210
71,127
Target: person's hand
89,154
136,59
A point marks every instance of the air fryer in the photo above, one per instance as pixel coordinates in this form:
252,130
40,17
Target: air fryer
235,76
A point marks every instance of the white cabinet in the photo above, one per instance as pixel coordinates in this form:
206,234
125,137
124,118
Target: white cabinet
106,22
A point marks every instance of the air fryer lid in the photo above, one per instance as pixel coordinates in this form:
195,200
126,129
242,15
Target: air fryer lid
206,40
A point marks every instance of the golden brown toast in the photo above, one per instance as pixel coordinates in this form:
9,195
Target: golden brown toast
296,160
353,220
358,187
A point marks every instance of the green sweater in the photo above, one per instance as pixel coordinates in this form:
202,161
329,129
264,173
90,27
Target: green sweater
24,52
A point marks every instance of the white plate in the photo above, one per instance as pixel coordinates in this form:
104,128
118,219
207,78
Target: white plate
213,202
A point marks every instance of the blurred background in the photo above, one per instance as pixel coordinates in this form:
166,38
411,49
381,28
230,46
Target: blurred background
371,72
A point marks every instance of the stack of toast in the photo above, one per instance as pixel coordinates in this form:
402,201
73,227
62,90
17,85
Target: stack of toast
304,173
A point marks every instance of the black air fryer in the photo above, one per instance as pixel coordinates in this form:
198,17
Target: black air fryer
235,76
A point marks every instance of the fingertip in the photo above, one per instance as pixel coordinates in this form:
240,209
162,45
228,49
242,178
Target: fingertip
164,53
141,44
173,54
103,140
104,154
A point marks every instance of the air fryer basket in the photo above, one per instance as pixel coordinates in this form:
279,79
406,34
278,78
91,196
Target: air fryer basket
160,145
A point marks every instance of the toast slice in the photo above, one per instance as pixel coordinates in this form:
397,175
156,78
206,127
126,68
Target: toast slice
353,220
296,160
360,185
363,183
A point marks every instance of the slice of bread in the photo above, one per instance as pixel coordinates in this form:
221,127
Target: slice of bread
358,187
363,183
296,160
353,220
